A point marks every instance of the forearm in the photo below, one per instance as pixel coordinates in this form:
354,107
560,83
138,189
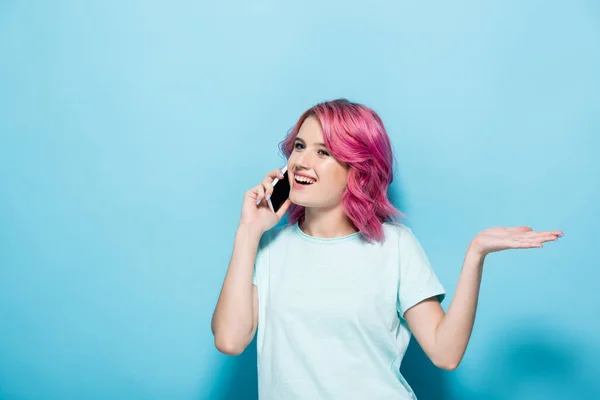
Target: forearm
232,320
454,330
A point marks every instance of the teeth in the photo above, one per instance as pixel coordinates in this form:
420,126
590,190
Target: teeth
303,179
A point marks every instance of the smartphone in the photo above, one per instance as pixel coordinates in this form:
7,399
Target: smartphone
281,191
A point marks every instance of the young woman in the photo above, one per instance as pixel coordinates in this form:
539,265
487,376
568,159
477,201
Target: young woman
336,293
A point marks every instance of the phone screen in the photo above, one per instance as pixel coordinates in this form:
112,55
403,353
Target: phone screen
281,192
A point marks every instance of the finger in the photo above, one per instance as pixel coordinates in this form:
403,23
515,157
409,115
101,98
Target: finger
268,186
543,237
544,233
526,244
260,194
549,238
539,237
272,175
276,173
520,229
268,180
286,204
532,245
254,192
538,242
534,235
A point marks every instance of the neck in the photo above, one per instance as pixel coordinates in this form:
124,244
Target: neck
327,223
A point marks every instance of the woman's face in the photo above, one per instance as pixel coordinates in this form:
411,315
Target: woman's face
312,163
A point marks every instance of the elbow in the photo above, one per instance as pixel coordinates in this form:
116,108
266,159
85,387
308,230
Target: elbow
448,365
229,347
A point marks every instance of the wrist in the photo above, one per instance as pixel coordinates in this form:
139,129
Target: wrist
474,251
249,229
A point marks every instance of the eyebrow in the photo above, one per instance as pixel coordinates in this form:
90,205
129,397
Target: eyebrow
302,140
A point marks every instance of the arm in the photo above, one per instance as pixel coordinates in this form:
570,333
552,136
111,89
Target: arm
234,320
444,337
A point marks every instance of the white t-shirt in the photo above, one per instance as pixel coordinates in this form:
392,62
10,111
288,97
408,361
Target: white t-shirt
330,317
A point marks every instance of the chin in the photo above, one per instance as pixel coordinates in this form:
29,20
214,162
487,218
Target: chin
311,204
294,199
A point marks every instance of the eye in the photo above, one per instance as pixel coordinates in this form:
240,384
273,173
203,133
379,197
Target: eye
299,145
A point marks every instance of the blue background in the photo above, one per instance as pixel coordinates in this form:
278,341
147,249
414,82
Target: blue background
129,132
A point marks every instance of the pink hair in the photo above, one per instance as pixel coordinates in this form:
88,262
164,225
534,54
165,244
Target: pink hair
354,134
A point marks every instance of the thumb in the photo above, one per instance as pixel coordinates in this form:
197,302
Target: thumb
283,208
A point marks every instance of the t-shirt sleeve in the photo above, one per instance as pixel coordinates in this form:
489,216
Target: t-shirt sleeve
418,280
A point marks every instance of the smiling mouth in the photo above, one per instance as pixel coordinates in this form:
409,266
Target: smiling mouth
304,181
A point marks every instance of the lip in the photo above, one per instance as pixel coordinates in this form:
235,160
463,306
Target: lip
305,175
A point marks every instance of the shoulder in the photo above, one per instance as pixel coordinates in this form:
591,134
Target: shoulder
275,235
397,231
403,236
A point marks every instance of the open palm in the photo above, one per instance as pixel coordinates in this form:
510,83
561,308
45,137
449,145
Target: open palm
520,237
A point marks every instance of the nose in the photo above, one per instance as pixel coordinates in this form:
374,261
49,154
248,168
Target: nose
304,160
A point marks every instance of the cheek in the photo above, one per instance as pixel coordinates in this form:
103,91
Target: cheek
344,182
291,162
342,177
336,184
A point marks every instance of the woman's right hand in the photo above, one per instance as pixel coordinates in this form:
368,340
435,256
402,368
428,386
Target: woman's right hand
259,216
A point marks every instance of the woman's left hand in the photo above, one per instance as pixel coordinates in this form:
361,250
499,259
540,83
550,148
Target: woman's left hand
521,237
